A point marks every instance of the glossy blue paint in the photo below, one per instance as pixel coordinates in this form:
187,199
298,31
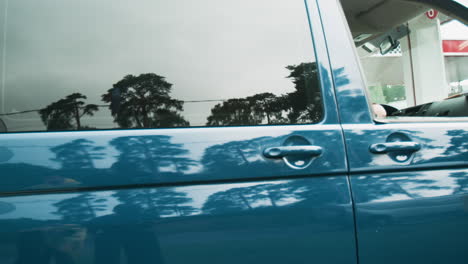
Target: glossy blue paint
106,159
405,207
118,200
410,206
347,78
289,221
323,60
412,216
188,195
442,145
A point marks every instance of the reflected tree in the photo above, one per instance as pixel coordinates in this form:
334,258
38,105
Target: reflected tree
301,106
461,179
144,101
458,148
158,202
371,188
147,155
232,112
248,198
253,110
268,106
172,202
66,113
305,104
235,199
458,143
77,154
320,191
81,208
245,198
340,76
236,157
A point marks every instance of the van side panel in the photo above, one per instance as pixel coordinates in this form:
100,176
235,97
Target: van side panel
289,221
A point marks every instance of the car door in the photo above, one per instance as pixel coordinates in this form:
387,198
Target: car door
409,170
170,132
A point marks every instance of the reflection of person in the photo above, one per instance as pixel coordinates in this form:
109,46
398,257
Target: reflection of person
379,111
125,234
49,245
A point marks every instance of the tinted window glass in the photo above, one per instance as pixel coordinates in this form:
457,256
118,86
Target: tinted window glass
88,64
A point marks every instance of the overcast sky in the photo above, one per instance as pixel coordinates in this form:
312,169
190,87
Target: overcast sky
210,49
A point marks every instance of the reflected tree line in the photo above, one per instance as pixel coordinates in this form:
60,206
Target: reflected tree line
153,158
156,158
414,184
115,220
137,163
145,101
300,106
124,227
118,219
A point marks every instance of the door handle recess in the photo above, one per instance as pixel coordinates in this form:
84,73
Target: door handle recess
281,152
381,148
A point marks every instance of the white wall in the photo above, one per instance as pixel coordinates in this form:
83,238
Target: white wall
422,52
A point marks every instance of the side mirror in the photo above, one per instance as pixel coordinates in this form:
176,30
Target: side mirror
388,44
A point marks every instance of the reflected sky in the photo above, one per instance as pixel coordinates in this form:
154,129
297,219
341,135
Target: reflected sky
404,186
208,49
45,207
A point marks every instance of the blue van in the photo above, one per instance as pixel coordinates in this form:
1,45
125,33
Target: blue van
250,131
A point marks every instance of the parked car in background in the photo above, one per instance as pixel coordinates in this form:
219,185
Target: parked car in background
233,131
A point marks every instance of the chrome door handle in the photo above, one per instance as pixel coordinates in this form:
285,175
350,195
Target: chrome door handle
281,152
381,148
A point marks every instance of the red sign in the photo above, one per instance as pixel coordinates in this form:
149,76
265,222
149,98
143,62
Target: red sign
455,46
432,14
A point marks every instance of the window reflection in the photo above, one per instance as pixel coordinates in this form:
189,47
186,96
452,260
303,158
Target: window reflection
159,67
